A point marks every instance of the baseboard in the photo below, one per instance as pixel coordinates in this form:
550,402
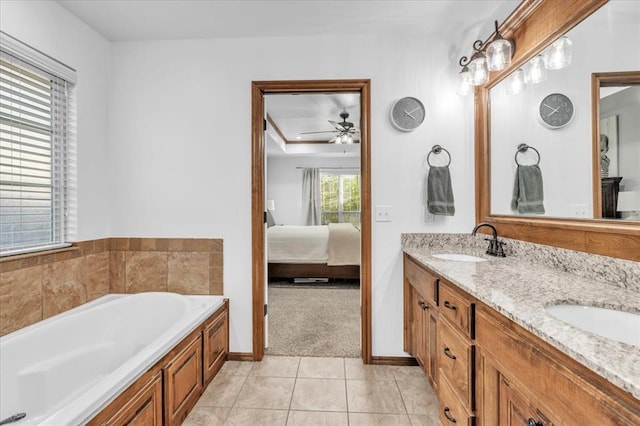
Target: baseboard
240,356
393,360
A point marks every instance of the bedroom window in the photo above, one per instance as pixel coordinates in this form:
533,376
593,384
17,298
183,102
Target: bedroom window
34,155
340,193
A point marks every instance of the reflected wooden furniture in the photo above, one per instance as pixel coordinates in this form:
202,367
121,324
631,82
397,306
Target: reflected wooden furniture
166,392
312,270
610,189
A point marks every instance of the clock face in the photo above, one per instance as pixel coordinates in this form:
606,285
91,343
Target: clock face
556,111
407,114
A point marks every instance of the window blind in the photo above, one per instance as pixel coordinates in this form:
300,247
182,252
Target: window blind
33,157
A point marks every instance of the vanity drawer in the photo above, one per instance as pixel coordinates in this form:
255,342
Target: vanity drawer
425,283
457,308
456,361
452,410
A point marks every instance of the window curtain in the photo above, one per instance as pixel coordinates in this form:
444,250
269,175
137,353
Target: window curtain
311,196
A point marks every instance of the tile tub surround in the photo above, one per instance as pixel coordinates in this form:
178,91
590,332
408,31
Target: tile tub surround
36,286
620,272
520,291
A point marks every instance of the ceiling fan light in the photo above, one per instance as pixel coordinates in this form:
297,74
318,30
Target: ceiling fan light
349,140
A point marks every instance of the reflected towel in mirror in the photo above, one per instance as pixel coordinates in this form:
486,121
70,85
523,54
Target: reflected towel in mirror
528,195
440,192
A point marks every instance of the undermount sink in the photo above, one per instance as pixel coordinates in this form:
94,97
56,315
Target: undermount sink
459,257
609,323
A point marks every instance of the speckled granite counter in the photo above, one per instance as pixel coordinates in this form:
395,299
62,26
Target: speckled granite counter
520,290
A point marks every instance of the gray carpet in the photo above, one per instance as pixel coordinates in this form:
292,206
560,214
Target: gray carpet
314,320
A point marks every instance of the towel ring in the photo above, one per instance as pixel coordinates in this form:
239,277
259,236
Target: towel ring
437,149
522,148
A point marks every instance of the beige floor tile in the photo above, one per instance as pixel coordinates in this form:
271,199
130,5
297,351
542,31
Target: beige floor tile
319,395
356,370
406,373
222,391
418,396
366,419
256,417
207,416
266,392
321,368
374,396
236,368
424,420
317,418
276,366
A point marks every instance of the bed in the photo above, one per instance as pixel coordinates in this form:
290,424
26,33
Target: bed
325,251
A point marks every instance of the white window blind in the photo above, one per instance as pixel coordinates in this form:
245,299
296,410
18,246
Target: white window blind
33,157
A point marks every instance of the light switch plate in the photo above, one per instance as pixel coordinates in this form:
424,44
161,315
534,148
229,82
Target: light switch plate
383,213
578,210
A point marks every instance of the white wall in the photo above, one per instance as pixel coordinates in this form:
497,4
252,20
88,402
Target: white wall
599,45
179,133
51,29
284,183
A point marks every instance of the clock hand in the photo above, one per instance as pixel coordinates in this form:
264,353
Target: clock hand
553,112
409,114
413,110
547,106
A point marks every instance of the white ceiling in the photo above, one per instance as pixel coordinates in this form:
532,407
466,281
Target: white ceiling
135,20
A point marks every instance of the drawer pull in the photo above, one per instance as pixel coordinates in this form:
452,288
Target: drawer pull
447,410
423,305
448,353
534,423
449,305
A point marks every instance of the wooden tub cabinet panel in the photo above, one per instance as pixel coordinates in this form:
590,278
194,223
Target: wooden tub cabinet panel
183,382
215,339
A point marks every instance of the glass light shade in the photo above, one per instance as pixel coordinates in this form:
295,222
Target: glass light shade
536,71
558,55
516,83
349,139
465,85
499,54
478,71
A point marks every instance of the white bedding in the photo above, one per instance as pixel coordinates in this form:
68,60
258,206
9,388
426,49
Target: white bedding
334,245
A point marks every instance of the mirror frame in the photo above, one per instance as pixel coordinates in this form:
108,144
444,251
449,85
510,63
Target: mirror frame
534,25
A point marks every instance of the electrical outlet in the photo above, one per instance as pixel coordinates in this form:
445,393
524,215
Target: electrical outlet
383,213
428,217
578,210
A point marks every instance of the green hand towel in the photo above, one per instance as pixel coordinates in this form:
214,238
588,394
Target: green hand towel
440,192
528,194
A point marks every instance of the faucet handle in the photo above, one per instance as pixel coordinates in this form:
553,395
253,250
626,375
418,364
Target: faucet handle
500,250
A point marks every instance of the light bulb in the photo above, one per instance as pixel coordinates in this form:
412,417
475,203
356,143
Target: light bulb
478,72
558,55
499,54
536,71
515,83
465,82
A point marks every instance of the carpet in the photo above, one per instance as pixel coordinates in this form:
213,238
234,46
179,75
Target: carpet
314,320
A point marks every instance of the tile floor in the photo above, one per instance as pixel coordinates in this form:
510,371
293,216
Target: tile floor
284,390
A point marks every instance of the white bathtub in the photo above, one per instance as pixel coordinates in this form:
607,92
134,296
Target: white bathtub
65,369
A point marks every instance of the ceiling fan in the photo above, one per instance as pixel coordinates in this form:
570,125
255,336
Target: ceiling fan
345,130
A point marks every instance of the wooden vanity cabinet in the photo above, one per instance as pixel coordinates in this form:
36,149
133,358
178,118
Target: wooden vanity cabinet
524,380
421,316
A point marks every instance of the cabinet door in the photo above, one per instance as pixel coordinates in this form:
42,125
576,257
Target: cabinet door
183,382
216,340
516,410
420,330
143,409
433,348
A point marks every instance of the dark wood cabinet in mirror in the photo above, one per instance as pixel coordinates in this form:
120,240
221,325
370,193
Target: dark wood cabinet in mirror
534,25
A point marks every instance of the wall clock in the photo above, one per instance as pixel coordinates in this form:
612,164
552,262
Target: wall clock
556,111
407,114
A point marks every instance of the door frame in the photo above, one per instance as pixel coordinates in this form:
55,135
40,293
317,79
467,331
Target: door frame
258,90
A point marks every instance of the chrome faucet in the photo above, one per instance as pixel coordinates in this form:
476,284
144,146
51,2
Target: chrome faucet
495,245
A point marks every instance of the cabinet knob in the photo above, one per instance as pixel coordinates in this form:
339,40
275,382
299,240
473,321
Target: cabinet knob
534,423
448,353
447,410
449,305
422,305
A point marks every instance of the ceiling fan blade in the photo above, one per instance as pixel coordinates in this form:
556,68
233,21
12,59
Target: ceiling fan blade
324,131
337,125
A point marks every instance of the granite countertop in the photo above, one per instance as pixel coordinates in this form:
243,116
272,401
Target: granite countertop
520,290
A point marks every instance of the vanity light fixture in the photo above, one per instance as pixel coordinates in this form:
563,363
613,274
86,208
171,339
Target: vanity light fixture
515,83
494,55
535,71
558,55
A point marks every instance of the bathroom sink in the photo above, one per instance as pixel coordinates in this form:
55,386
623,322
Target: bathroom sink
612,324
459,257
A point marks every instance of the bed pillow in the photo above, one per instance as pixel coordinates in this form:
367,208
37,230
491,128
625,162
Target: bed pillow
270,220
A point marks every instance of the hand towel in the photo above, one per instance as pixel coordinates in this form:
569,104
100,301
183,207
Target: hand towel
528,195
440,192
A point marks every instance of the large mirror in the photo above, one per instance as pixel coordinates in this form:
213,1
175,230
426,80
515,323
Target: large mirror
554,118
582,208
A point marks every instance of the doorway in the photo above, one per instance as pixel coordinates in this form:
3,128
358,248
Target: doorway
259,90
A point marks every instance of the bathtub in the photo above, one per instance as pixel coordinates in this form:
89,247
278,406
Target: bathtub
65,369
